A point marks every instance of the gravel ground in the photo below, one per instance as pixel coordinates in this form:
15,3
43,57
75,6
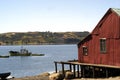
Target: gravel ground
45,76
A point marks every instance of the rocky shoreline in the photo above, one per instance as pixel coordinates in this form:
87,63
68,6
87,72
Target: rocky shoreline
47,76
43,76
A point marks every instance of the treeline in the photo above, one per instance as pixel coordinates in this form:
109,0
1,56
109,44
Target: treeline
36,38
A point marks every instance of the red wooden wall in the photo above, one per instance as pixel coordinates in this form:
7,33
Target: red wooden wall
109,28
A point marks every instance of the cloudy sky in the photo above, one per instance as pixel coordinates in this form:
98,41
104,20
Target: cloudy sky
52,15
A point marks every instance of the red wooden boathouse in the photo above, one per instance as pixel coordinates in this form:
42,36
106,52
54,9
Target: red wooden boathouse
102,46
99,52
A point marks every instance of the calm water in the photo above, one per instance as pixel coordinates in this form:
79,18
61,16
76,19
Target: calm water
33,65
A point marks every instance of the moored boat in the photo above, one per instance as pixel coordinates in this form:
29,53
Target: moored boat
22,52
3,76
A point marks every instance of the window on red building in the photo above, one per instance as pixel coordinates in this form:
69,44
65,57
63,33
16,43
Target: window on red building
103,45
85,50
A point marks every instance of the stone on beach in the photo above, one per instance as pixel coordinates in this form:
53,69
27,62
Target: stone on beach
69,75
56,76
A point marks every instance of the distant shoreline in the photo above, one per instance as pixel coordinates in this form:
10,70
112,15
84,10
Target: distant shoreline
41,38
40,44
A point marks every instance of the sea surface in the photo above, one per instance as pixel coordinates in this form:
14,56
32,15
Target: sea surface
34,65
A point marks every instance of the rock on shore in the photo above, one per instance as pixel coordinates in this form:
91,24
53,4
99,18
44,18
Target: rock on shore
46,76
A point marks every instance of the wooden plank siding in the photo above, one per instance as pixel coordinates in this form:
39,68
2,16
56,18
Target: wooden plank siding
108,28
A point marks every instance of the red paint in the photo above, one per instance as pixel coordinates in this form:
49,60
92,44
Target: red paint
109,28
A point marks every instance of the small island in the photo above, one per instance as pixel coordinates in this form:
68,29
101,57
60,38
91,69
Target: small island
23,52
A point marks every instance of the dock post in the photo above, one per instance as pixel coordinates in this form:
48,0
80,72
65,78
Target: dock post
82,71
63,71
78,71
93,72
74,69
70,67
106,69
55,67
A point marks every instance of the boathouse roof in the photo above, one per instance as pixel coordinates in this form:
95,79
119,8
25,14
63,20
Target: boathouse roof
117,10
113,32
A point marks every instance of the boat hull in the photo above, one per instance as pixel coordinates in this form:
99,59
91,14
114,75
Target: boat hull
15,53
3,76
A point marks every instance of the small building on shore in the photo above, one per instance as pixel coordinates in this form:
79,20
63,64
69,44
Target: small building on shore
99,52
102,46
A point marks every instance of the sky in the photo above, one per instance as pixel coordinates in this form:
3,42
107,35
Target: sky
52,15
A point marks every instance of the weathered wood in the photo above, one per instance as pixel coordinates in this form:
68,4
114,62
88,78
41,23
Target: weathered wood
78,71
106,69
98,65
74,70
88,70
70,66
82,71
103,43
63,71
93,70
55,67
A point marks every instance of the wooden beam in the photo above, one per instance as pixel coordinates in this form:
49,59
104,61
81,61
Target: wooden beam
74,70
55,67
107,74
78,71
82,71
97,65
70,66
93,70
63,71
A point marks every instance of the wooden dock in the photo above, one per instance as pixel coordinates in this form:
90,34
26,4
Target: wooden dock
88,70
